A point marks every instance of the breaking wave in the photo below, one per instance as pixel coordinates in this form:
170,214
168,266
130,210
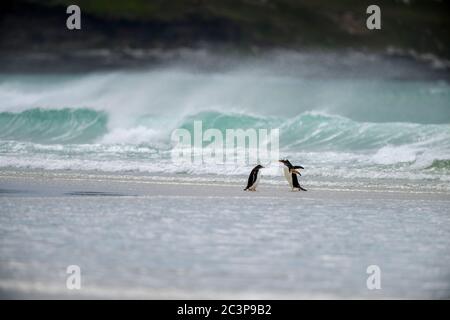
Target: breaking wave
84,139
347,126
53,126
307,131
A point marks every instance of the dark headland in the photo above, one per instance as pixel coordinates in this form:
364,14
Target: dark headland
130,33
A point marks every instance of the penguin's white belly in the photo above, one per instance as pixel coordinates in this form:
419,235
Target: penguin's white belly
288,176
258,176
255,184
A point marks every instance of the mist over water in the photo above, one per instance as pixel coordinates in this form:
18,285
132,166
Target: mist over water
352,116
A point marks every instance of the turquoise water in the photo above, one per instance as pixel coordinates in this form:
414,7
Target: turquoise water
383,126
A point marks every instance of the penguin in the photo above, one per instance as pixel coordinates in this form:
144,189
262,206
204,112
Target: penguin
290,172
253,178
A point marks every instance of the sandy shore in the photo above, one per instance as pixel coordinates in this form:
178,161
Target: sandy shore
140,236
38,183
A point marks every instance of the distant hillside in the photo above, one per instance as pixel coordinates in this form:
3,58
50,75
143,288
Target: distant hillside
39,26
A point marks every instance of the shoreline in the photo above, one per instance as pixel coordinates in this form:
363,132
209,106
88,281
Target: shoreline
58,183
217,25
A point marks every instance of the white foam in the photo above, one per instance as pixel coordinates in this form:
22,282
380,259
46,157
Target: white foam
136,135
395,154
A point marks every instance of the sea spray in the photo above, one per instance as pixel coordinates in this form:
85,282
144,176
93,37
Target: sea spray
357,116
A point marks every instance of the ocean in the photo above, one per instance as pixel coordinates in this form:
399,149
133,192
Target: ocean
390,121
84,157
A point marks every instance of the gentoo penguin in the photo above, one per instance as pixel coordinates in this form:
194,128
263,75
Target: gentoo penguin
290,172
253,178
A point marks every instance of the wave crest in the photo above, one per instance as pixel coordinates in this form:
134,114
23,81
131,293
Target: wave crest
62,131
307,131
54,125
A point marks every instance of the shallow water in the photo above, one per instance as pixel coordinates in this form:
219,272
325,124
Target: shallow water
148,240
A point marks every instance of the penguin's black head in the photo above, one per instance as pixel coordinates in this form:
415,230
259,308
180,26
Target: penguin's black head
259,167
285,162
